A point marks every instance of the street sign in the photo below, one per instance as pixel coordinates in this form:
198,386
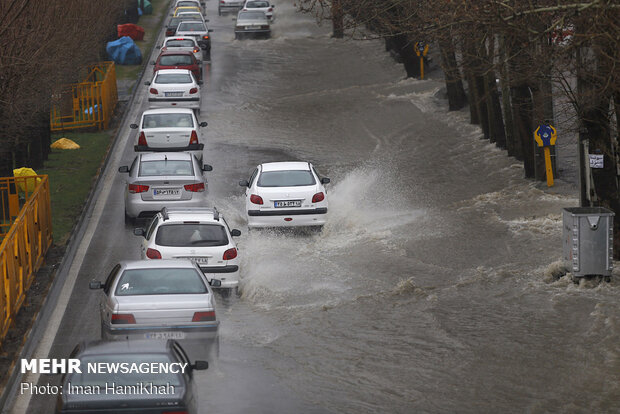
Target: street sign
597,161
421,49
545,136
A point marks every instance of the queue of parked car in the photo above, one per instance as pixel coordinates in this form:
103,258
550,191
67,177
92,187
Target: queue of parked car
161,306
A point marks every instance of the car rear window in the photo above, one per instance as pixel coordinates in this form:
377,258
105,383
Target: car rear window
191,234
163,167
167,121
160,281
176,60
292,178
187,4
180,43
256,4
173,78
103,376
192,27
251,16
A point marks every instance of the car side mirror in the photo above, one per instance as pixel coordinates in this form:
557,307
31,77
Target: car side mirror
210,30
203,124
153,63
158,47
123,169
235,233
138,231
133,126
200,365
95,284
207,20
207,167
325,180
147,83
215,283
273,6
200,82
244,183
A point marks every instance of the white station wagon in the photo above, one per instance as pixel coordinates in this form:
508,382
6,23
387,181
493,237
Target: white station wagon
285,194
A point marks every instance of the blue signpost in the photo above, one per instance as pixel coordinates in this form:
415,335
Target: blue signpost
545,136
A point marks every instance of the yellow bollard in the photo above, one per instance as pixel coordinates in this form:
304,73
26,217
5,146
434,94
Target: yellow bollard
545,136
548,167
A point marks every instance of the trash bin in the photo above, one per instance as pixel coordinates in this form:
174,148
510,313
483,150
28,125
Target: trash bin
588,240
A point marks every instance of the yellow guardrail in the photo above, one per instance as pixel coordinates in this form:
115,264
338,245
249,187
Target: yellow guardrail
86,104
26,232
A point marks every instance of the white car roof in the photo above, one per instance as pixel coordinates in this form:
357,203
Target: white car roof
172,156
154,264
285,166
179,37
168,111
202,215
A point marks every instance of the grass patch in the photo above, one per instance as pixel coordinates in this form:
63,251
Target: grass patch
71,174
152,24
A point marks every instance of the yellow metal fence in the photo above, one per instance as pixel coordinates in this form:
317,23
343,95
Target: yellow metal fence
86,104
26,233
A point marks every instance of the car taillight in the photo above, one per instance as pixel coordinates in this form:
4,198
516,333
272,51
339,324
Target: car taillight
230,254
203,316
193,139
205,36
318,197
193,90
135,188
196,50
264,26
153,91
122,318
256,199
153,254
270,9
142,139
195,188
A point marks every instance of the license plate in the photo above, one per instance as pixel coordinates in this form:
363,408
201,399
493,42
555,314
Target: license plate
166,191
173,94
287,203
199,260
164,335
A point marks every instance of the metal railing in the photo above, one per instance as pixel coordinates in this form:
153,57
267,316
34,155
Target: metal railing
86,104
26,233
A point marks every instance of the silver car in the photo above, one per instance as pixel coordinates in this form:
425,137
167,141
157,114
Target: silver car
225,6
252,23
182,44
163,179
170,129
164,299
198,234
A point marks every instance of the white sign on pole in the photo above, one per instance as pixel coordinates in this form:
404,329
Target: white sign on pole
596,160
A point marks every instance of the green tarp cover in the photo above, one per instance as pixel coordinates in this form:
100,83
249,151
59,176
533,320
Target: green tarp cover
148,7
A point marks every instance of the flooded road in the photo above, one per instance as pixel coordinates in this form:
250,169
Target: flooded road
431,287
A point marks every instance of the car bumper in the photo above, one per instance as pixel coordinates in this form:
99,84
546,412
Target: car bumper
196,341
228,275
194,149
135,207
193,103
295,218
254,32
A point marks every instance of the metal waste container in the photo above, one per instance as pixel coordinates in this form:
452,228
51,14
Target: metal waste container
588,240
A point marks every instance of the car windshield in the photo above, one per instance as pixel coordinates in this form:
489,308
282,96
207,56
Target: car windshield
180,43
160,281
292,178
174,21
192,27
104,374
256,4
163,167
167,121
251,15
176,60
191,234
173,78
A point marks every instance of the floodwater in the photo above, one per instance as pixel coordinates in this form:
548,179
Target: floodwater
431,288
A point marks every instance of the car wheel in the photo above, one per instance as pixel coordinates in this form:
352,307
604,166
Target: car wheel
237,36
219,11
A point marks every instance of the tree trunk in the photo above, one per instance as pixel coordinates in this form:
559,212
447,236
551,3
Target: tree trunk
454,85
522,117
511,146
337,20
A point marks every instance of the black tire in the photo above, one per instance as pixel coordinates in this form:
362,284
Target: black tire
219,11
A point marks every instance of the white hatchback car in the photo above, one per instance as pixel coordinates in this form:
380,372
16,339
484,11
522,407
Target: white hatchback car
198,234
170,129
285,194
260,5
174,88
